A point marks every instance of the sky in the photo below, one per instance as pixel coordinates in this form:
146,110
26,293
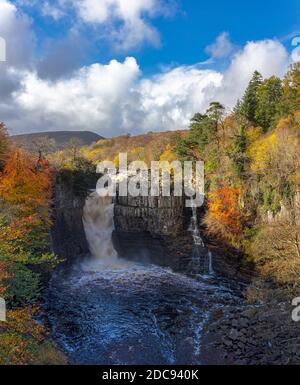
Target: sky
133,66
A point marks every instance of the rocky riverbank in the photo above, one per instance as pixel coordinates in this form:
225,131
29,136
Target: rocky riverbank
252,335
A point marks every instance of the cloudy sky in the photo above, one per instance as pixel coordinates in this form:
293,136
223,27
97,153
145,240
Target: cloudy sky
133,66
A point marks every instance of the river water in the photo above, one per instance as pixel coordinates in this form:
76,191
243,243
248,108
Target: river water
103,310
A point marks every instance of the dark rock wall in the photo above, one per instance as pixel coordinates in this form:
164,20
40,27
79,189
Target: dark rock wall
152,229
68,236
149,229
156,230
163,216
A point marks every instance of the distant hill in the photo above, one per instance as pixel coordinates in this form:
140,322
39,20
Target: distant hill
60,139
146,147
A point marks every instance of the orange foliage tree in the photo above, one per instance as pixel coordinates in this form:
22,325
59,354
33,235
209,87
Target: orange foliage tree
25,195
25,192
24,341
224,218
25,181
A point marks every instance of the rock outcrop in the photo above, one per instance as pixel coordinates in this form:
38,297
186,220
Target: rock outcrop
288,213
153,229
67,234
149,229
156,229
163,216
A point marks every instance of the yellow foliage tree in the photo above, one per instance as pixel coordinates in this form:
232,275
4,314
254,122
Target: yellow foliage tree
263,151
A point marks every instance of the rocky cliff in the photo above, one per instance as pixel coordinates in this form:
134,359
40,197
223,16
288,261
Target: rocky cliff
68,237
157,230
153,229
150,229
288,213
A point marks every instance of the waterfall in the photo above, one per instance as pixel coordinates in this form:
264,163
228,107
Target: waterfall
210,263
194,228
98,221
202,260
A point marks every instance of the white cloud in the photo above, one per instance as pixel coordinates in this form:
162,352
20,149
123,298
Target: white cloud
49,10
134,17
126,24
269,57
168,99
95,98
116,98
15,28
222,47
113,99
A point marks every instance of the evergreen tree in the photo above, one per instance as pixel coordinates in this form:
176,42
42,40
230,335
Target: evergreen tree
204,128
201,127
268,98
203,131
216,111
238,152
249,102
290,100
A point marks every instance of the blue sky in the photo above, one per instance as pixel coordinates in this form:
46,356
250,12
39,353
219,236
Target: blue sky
185,33
185,37
71,64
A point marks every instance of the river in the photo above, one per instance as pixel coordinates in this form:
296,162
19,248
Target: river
103,310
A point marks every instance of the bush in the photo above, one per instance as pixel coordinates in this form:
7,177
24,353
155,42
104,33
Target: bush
23,285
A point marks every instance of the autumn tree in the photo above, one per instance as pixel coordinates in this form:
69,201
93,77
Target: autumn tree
74,146
22,184
25,192
43,146
224,219
3,145
276,252
23,341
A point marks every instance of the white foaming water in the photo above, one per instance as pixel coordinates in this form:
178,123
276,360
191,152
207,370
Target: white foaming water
98,221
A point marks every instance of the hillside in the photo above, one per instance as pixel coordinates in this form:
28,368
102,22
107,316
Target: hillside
145,147
59,140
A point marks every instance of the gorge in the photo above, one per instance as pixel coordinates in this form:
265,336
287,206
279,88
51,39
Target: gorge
139,286
105,309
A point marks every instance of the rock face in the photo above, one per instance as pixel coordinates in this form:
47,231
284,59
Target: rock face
287,213
157,230
152,229
149,229
68,237
164,216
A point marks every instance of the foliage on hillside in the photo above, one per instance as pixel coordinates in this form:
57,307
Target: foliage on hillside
146,147
25,196
252,162
252,166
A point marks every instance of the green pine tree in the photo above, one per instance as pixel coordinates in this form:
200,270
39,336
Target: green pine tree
249,102
268,99
238,152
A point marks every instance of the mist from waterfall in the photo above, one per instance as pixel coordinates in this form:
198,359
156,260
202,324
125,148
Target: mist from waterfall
98,221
